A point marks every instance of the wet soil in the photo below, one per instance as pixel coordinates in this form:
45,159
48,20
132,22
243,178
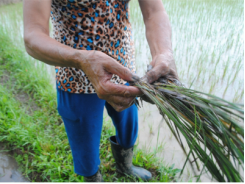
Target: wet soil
9,170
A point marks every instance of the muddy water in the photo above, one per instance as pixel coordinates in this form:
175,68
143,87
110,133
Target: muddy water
205,46
207,40
9,168
154,135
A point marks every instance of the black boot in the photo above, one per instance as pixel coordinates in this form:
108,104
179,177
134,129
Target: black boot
97,177
123,158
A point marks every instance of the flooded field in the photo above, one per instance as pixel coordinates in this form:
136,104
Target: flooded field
208,45
208,48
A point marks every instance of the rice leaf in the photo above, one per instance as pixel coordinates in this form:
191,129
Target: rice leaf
209,124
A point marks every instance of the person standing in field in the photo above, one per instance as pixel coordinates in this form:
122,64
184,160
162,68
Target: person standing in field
93,52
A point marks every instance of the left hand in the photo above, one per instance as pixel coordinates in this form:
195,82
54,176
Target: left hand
163,65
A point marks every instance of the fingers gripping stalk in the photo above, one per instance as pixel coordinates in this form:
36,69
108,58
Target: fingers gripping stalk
99,69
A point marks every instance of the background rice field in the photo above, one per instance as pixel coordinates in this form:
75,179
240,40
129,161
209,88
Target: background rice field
208,45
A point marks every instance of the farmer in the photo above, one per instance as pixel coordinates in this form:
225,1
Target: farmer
93,51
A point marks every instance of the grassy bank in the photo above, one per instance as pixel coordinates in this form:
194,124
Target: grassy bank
31,127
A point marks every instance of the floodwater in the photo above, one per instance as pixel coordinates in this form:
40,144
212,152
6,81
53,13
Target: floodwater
9,168
207,38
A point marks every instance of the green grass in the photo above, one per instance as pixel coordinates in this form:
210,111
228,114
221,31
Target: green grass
38,139
207,34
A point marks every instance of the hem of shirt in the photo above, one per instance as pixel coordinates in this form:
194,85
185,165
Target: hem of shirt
94,92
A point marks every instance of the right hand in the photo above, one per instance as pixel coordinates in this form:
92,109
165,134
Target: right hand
98,66
99,69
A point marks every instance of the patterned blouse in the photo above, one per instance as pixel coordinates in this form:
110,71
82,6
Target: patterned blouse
101,25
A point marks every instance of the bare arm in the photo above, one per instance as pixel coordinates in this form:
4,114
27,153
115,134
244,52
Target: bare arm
98,66
36,36
158,34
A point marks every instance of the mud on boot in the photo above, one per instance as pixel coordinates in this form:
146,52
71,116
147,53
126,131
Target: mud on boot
97,177
123,158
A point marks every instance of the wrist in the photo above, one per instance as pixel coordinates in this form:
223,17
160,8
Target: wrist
78,58
165,55
83,59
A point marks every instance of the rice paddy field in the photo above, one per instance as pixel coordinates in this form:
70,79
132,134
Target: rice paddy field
208,46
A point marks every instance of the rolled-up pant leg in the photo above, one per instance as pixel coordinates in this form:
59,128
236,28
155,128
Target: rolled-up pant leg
83,117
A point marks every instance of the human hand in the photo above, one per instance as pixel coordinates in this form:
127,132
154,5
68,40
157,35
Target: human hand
99,68
163,65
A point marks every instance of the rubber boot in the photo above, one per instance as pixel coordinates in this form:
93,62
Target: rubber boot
97,177
123,158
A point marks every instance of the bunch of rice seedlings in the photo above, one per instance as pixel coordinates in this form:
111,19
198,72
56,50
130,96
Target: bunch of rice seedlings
209,124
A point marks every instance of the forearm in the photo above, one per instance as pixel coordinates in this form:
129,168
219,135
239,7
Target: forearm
158,32
40,46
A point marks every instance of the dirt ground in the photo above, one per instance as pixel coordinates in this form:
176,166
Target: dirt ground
9,168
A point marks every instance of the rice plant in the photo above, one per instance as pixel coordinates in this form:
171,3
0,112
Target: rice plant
209,124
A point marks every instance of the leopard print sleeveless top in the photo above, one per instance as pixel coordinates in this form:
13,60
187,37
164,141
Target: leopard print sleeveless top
101,25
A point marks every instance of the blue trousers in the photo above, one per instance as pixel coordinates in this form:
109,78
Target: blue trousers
82,115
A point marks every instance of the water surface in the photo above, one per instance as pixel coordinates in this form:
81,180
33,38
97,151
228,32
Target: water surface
9,168
208,47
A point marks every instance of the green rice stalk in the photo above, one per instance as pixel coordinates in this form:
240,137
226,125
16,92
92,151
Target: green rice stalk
209,124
